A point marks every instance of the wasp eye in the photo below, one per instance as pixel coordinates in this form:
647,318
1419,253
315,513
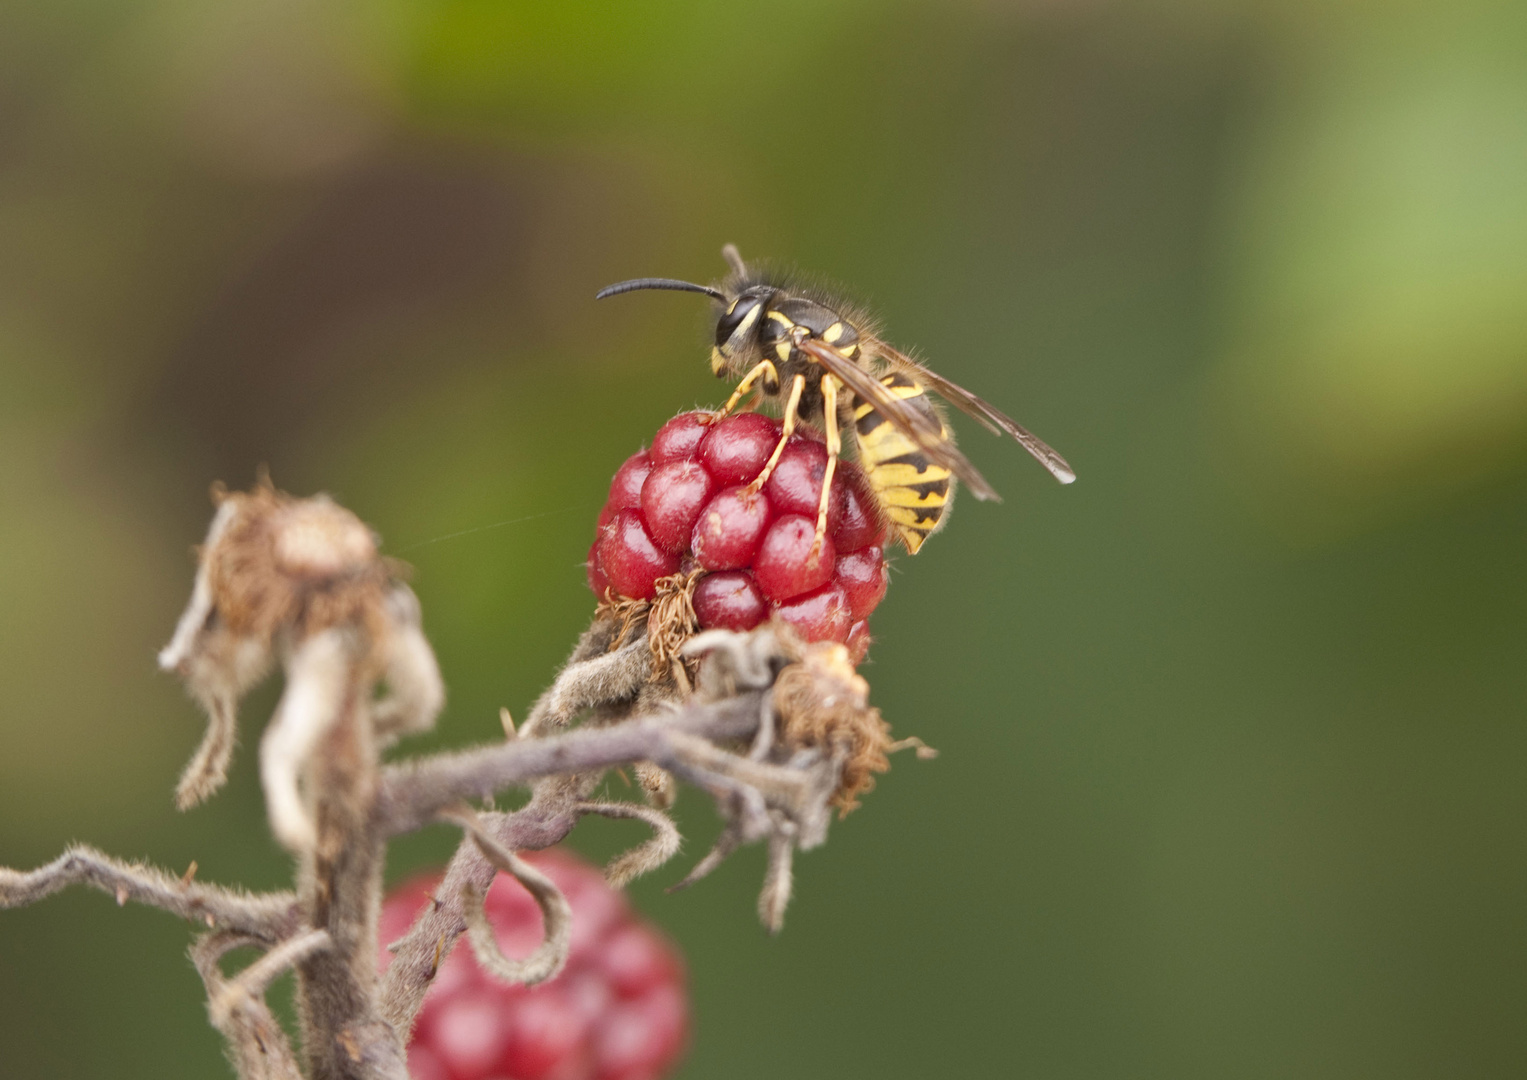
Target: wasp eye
735,316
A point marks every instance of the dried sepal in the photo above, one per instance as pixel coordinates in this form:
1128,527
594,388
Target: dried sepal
656,783
303,565
207,771
595,675
667,621
670,624
415,692
823,704
728,842
218,666
779,881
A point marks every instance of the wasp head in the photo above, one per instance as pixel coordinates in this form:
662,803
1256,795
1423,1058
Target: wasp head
737,328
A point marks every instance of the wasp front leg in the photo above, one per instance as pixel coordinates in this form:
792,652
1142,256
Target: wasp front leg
764,370
834,449
792,409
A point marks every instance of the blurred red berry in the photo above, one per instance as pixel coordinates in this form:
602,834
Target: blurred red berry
858,641
822,615
618,1011
685,503
861,525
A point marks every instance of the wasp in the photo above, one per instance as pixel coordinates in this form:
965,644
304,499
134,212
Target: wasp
824,363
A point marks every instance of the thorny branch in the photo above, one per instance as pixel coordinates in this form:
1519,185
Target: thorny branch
263,918
776,732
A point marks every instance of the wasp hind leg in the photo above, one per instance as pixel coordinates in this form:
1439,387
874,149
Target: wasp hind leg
834,450
792,409
764,370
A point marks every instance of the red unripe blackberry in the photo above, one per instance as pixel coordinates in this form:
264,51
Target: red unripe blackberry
630,559
685,503
680,438
729,601
618,1011
789,560
739,447
672,498
727,534
626,488
864,577
795,486
858,640
822,615
599,581
861,525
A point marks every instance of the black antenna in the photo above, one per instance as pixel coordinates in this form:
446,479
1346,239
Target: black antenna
659,283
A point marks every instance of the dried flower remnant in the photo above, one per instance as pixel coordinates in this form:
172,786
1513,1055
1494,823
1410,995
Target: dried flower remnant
823,704
298,581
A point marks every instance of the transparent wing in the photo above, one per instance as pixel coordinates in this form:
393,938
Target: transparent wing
995,419
915,426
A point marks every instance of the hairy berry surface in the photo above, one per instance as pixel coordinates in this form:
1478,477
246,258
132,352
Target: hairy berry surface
618,1011
685,503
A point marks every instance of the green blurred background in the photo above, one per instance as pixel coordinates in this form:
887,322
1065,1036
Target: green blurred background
1232,730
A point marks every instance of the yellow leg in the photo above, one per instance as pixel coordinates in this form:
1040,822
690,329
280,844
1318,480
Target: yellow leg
763,368
834,448
791,408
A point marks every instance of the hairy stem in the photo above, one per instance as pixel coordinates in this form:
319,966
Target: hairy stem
549,958
266,917
414,792
544,821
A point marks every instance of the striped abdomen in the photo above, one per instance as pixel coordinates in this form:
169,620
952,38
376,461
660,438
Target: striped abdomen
913,491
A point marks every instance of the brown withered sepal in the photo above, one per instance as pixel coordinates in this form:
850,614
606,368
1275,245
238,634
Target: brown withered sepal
823,704
303,565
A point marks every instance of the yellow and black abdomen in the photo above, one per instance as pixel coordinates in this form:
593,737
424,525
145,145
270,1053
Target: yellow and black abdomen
913,492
